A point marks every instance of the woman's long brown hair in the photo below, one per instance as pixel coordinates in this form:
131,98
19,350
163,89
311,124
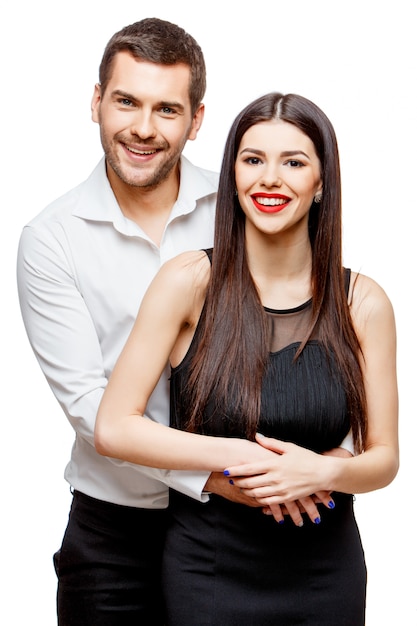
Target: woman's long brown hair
230,360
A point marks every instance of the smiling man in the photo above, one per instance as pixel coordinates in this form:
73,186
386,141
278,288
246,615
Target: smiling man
84,264
146,118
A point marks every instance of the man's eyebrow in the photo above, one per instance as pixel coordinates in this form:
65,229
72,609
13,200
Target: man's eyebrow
123,94
164,103
172,105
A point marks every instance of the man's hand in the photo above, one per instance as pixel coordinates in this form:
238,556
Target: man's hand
219,484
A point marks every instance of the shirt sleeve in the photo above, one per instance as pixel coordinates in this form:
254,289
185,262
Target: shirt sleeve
347,443
63,337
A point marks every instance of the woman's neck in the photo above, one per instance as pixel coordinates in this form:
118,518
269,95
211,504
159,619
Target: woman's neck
281,270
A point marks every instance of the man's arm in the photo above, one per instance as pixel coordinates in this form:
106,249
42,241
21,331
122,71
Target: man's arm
64,339
59,328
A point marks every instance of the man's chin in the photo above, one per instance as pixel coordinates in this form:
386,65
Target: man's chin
142,177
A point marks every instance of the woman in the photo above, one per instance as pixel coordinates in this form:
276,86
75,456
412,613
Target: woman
269,334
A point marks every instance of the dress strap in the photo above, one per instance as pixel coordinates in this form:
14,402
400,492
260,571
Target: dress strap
209,252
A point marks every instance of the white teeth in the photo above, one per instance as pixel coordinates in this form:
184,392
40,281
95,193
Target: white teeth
141,151
271,201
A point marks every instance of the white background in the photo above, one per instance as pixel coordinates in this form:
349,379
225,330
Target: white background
357,61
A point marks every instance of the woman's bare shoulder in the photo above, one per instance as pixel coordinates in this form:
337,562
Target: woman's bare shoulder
182,282
368,301
187,259
192,266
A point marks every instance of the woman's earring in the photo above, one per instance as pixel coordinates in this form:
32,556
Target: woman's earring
235,192
317,198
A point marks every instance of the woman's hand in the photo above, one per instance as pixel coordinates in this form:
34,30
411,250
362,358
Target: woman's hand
304,505
295,509
293,475
242,492
220,485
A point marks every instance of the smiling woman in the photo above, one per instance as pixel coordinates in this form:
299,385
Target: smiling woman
272,177
265,333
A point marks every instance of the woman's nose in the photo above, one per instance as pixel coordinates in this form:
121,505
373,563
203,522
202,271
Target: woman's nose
270,177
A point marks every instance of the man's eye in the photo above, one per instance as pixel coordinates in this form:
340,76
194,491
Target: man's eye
167,110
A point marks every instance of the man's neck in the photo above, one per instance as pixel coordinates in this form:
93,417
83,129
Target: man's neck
149,207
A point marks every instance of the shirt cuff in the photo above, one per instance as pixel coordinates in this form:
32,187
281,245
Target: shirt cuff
189,483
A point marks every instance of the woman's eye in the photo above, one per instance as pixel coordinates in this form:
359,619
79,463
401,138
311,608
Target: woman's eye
294,163
253,161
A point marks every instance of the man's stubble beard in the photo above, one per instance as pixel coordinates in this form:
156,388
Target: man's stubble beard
155,177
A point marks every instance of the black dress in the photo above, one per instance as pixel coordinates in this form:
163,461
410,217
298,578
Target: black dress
226,564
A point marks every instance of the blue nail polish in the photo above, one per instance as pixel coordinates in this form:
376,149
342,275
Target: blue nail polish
231,482
281,521
331,504
226,473
317,520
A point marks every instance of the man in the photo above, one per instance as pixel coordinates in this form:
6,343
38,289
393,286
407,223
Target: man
84,264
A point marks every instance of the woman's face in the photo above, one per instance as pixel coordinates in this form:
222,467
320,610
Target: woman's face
277,175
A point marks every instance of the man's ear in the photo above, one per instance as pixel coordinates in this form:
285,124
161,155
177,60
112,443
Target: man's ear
197,121
95,102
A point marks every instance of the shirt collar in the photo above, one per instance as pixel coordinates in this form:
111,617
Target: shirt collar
194,185
97,201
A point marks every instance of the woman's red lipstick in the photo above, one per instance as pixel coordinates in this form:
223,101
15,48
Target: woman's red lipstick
274,203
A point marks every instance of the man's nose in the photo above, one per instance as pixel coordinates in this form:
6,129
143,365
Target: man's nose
143,125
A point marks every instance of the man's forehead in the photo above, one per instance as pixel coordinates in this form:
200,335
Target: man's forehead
133,75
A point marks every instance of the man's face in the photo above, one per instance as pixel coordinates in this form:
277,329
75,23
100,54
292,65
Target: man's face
145,120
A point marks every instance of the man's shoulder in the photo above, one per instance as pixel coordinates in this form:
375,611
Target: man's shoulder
211,176
206,179
63,207
58,209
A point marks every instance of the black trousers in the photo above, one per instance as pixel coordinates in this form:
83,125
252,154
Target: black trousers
109,564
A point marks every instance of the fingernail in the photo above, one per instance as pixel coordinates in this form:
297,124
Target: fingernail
317,520
231,482
281,521
260,435
300,524
331,504
226,473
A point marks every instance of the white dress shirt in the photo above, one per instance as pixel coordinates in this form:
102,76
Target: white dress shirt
83,268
